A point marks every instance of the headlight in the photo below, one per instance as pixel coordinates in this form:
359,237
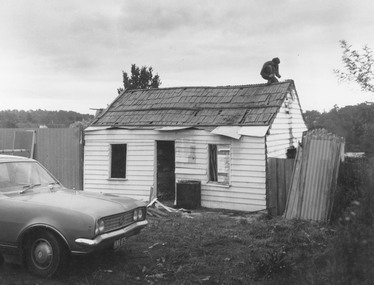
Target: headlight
135,216
100,227
138,215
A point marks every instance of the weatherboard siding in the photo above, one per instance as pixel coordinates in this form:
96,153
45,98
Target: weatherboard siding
140,162
247,189
286,129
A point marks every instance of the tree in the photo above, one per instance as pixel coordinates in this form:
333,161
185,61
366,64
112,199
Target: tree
312,119
81,124
36,118
357,66
354,123
141,78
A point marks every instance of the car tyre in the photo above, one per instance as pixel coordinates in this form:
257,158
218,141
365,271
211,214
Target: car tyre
1,259
45,255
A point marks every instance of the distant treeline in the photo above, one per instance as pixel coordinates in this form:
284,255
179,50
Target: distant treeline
42,118
354,123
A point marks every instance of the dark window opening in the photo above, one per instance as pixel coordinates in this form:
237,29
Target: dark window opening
119,159
212,162
219,163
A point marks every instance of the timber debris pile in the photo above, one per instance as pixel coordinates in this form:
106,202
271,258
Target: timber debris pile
156,209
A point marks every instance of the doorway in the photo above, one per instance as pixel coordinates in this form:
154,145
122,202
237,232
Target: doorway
166,170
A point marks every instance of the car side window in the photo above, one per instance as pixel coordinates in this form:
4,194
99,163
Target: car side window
22,174
4,176
17,174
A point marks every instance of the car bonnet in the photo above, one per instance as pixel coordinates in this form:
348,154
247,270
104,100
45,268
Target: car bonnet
93,204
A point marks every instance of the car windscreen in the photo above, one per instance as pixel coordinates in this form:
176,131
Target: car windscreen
16,175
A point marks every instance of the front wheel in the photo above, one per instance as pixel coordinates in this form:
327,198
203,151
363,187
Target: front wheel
1,259
45,254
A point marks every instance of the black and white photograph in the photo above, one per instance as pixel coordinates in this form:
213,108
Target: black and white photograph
186,142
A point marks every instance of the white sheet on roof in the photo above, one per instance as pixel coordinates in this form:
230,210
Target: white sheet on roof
95,128
229,131
99,128
236,131
173,128
254,131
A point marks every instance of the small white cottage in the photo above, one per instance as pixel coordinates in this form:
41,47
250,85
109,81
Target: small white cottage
220,136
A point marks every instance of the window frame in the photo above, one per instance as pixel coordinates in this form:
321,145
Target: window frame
226,147
111,161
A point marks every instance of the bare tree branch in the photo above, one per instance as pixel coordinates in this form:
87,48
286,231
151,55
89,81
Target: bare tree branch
357,66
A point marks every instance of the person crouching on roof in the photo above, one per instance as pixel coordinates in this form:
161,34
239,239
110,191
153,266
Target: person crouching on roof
270,70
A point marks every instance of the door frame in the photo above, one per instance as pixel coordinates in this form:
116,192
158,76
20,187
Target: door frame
157,168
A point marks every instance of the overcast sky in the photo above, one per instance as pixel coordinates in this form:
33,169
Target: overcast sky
69,54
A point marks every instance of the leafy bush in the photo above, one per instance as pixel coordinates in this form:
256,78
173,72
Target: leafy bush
352,247
270,262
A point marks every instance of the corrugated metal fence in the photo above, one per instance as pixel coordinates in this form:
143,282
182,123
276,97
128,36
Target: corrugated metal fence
60,150
314,177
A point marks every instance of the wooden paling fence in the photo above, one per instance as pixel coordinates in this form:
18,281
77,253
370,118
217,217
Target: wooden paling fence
279,180
314,177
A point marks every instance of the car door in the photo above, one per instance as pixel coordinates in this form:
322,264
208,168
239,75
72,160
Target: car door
13,213
12,219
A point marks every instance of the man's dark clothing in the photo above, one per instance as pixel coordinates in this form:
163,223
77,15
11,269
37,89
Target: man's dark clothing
270,70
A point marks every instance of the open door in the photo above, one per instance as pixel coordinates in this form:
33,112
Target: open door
166,170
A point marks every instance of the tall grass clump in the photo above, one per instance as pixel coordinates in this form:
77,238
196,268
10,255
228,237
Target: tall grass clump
352,248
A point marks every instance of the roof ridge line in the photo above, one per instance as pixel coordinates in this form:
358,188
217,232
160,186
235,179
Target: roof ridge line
195,109
213,87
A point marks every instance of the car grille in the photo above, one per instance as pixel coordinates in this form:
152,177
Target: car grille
118,221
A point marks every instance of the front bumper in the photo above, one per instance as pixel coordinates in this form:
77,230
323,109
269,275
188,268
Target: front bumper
107,239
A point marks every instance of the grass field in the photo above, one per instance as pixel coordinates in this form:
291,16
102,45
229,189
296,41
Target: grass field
218,247
212,247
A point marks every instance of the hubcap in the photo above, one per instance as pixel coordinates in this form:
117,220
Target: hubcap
42,253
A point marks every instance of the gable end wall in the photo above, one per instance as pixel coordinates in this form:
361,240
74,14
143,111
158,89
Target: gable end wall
287,128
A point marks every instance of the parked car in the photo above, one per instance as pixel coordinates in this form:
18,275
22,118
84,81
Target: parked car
43,223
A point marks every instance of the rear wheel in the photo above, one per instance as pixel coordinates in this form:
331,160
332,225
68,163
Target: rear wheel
45,255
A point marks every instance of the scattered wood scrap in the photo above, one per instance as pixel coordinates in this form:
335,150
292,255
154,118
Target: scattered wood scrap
159,210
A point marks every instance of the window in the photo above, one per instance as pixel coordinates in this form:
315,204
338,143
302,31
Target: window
219,163
15,175
118,161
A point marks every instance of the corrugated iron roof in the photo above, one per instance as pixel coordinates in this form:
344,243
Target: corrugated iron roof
244,105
